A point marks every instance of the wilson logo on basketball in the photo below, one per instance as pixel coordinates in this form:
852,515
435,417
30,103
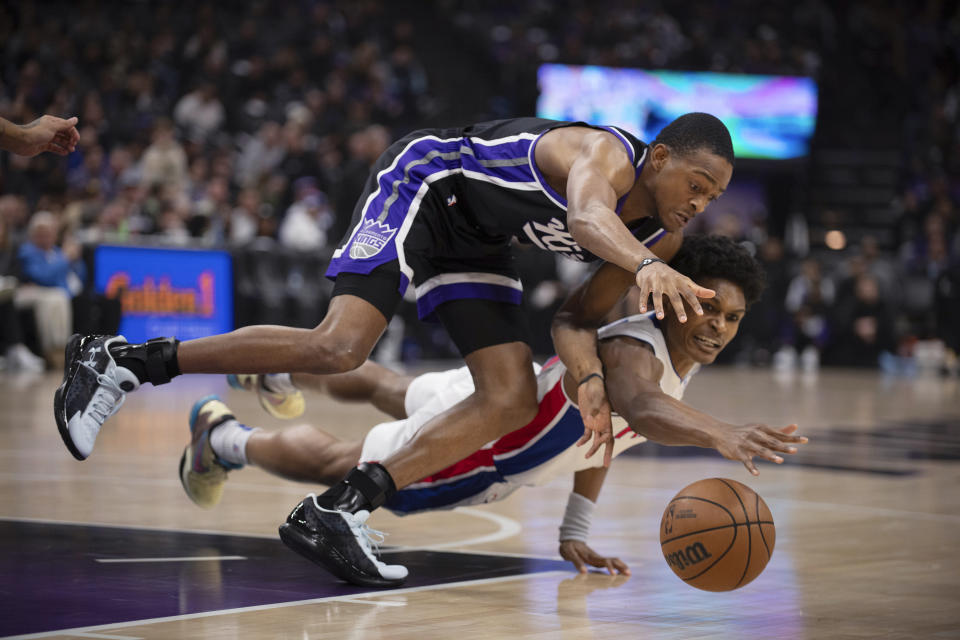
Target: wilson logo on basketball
689,556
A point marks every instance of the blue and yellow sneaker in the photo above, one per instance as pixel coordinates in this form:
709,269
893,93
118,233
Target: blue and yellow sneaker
202,471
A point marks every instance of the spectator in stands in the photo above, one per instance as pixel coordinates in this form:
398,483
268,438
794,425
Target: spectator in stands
164,161
308,219
200,113
51,278
14,354
864,325
807,330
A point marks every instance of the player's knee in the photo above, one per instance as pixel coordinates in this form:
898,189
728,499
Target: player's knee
333,353
513,403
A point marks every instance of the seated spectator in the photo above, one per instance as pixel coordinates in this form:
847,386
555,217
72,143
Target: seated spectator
864,326
14,354
305,225
164,161
808,298
51,278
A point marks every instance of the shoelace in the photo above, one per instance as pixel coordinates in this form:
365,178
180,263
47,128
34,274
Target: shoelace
370,539
102,406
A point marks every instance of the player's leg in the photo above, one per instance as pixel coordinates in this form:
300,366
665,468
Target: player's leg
219,443
100,370
280,394
303,453
505,398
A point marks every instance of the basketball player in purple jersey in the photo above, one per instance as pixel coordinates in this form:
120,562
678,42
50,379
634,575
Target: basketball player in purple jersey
438,214
648,364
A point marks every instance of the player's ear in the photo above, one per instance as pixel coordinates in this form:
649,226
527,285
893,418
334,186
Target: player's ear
659,155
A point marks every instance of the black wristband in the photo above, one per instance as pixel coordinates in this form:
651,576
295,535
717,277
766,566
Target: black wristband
588,376
647,261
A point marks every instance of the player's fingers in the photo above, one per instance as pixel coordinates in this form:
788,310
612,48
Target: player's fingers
658,302
792,428
595,445
644,296
620,566
587,433
57,149
608,565
752,468
577,561
768,454
688,294
703,292
774,444
608,453
677,303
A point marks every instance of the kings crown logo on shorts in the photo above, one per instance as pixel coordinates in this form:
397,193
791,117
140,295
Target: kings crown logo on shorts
371,239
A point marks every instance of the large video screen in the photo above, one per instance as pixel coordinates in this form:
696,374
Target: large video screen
768,116
181,293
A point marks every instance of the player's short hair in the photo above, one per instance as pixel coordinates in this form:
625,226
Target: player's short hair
712,256
694,131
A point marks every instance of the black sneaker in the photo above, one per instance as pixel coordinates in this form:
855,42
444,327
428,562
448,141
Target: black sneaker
340,542
93,389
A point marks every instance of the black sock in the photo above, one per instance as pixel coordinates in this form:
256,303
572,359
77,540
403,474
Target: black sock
366,487
153,361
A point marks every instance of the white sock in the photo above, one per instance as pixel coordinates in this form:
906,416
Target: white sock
229,441
279,383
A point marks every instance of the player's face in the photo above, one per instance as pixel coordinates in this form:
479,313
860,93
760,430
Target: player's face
702,338
686,183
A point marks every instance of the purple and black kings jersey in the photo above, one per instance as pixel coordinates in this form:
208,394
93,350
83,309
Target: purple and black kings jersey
444,205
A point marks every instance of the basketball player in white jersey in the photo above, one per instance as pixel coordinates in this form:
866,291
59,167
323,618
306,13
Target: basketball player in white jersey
648,364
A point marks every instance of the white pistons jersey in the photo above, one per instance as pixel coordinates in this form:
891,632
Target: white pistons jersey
533,455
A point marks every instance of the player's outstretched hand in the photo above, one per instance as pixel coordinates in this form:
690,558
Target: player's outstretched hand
47,133
743,442
595,411
582,556
659,280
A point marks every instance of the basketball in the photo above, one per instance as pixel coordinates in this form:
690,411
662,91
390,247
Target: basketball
717,534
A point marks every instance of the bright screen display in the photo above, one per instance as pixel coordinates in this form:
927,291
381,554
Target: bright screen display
768,116
180,293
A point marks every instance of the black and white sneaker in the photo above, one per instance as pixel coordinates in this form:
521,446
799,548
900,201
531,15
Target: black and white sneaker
341,542
93,389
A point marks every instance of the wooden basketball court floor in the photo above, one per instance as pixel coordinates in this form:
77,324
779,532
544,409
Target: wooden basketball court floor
867,522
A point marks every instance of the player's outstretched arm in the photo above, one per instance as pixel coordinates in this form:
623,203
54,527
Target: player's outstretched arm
47,133
632,375
598,173
574,333
575,527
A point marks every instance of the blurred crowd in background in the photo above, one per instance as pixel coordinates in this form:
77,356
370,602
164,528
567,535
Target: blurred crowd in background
255,125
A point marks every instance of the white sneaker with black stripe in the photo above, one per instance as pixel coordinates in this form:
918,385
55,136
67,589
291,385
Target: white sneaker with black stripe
93,389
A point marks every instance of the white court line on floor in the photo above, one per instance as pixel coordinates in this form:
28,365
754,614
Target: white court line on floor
171,559
281,605
506,528
379,603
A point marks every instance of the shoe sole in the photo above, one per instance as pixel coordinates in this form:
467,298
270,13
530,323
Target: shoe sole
302,545
184,464
71,363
